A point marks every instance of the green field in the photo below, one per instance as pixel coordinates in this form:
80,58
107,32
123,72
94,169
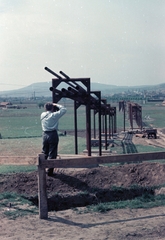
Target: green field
25,123
156,112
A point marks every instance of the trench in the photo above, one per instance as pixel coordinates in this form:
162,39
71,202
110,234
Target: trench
58,202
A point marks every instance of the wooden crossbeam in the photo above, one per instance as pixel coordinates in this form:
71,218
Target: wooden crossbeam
92,161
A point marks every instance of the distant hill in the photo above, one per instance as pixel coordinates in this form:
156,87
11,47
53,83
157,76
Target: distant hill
42,89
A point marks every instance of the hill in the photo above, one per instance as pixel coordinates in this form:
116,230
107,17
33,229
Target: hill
40,89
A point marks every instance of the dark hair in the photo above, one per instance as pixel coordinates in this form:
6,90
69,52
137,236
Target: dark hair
48,106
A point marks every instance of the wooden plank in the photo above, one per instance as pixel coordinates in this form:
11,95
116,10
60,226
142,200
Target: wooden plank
81,160
94,161
42,194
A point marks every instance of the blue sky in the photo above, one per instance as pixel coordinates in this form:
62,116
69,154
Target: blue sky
118,42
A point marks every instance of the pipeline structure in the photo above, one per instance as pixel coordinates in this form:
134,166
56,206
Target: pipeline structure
134,111
135,114
79,90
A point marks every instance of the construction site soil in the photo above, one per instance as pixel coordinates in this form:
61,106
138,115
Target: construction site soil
76,188
69,188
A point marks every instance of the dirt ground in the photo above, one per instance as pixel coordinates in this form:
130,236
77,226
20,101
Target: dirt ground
64,192
68,225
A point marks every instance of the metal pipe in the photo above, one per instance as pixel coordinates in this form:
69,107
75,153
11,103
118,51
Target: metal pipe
64,75
55,74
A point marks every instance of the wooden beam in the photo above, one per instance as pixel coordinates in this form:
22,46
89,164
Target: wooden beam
74,161
95,161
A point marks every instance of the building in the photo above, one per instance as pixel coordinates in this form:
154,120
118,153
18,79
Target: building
5,104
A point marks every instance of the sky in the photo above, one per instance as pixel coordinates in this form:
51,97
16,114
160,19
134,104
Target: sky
117,42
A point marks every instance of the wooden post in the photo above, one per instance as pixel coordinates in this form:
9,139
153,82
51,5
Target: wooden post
42,194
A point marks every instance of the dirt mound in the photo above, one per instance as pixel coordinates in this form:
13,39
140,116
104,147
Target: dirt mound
73,188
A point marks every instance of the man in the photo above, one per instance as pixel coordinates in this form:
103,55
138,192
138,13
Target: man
49,123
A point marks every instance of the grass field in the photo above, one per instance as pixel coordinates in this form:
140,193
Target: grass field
156,112
25,123
21,124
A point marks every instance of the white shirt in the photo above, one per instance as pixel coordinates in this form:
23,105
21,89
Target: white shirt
49,120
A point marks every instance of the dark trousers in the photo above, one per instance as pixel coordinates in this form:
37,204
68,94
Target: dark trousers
50,145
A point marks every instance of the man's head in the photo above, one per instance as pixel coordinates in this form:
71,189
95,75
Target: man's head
48,106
